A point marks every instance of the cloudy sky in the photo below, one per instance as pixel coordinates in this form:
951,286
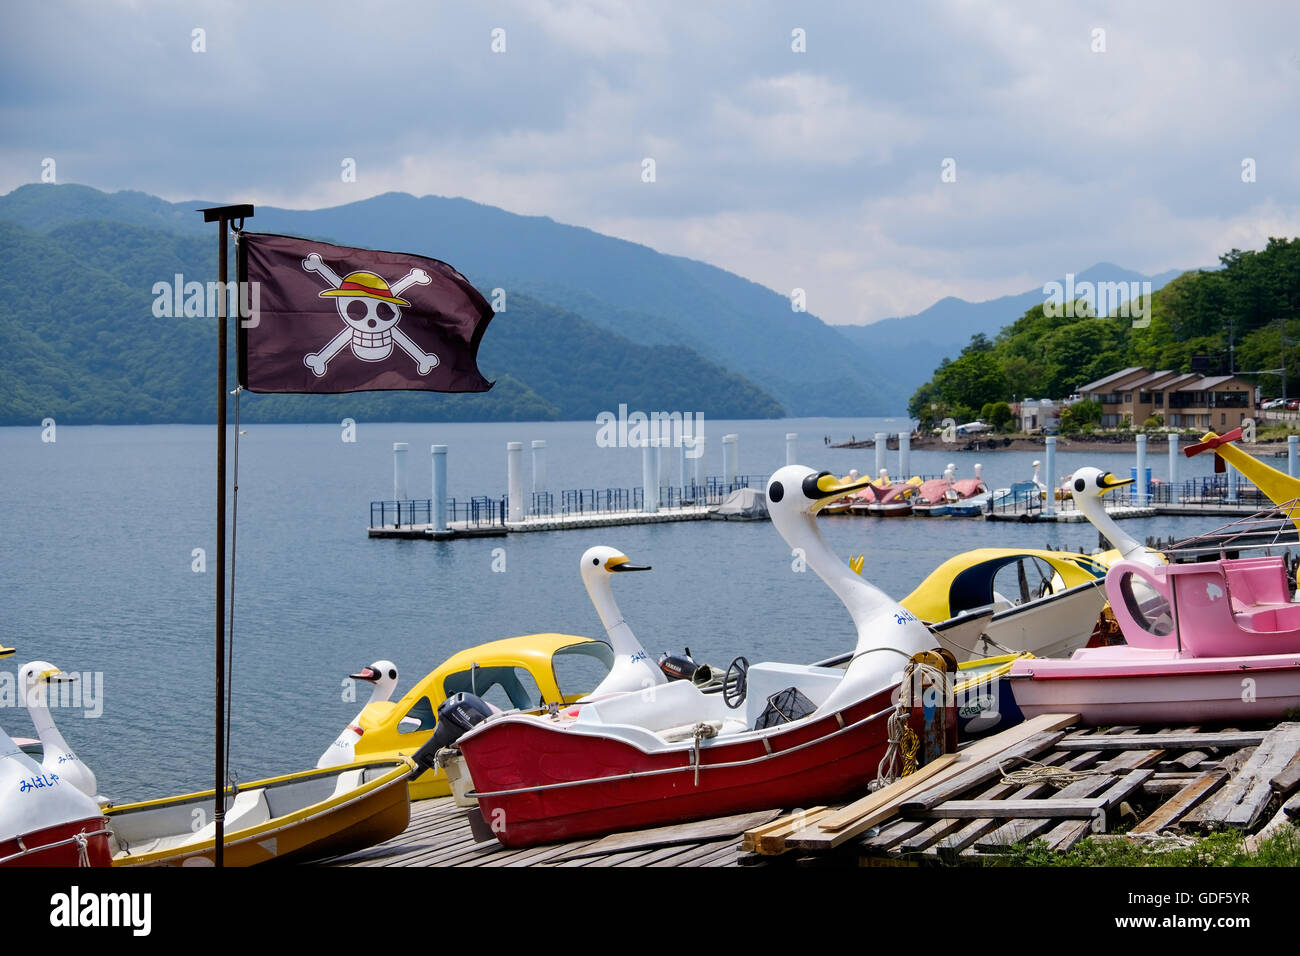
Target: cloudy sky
1081,133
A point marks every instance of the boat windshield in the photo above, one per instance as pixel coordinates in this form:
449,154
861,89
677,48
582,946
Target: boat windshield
1147,605
504,686
580,667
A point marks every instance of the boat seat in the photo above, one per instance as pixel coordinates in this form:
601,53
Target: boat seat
349,780
249,809
1255,581
1276,618
763,680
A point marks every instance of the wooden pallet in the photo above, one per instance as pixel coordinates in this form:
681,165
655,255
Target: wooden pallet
1147,780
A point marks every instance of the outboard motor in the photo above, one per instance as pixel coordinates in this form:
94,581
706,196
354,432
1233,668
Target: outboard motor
456,715
678,667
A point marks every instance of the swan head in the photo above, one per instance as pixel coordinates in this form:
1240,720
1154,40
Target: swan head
600,563
35,676
383,674
6,651
1089,484
798,490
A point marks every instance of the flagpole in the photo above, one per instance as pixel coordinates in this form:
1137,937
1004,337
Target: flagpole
221,215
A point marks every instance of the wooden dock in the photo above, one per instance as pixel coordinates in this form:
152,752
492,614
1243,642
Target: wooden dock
440,834
564,522
1038,781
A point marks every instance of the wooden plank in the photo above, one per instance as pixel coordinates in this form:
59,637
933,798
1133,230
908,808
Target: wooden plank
898,830
698,832
1024,831
773,842
751,837
886,795
1243,799
1131,760
1188,797
1189,760
1017,809
1288,778
1179,741
1065,836
988,769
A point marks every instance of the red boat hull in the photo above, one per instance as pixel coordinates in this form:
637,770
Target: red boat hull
616,786
56,846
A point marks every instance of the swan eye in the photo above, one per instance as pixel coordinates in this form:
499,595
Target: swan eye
595,561
775,491
1101,481
392,673
1079,484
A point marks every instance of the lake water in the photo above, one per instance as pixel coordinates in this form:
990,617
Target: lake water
99,529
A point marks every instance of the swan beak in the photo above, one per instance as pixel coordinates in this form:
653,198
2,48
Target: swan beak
620,564
55,676
366,674
5,651
825,488
1109,482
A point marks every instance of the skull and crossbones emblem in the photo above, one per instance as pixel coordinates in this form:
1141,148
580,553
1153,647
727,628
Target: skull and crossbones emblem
370,309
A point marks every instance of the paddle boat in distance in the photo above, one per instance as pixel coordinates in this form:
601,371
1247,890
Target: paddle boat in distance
44,819
934,496
292,818
893,499
773,735
851,503
1207,641
973,496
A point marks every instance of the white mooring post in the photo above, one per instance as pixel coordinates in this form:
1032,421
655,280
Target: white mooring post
1292,449
1049,506
539,469
1140,486
399,472
698,449
663,455
649,480
438,502
729,460
515,480
792,448
681,463
882,447
904,454
1232,484
1173,467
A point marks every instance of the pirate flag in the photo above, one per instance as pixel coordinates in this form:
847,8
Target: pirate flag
323,318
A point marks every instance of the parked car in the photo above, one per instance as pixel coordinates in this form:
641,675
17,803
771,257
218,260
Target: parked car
1273,403
1293,405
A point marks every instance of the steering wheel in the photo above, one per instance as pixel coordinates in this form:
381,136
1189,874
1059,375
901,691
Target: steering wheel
734,684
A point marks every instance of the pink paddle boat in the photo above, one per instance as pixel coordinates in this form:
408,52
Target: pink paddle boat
1209,641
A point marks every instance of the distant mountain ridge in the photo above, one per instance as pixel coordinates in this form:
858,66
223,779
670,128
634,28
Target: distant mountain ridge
677,326
648,297
913,346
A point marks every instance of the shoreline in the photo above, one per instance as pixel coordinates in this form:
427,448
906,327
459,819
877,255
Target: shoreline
1158,444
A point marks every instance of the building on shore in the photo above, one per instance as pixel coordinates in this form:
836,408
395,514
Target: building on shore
1182,399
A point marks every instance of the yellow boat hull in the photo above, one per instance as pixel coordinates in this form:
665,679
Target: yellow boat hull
345,821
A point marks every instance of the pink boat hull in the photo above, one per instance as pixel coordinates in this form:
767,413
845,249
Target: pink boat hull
1110,685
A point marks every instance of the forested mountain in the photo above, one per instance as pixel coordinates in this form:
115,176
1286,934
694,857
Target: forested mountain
644,296
1229,320
81,344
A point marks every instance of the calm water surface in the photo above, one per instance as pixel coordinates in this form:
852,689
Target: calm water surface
99,529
